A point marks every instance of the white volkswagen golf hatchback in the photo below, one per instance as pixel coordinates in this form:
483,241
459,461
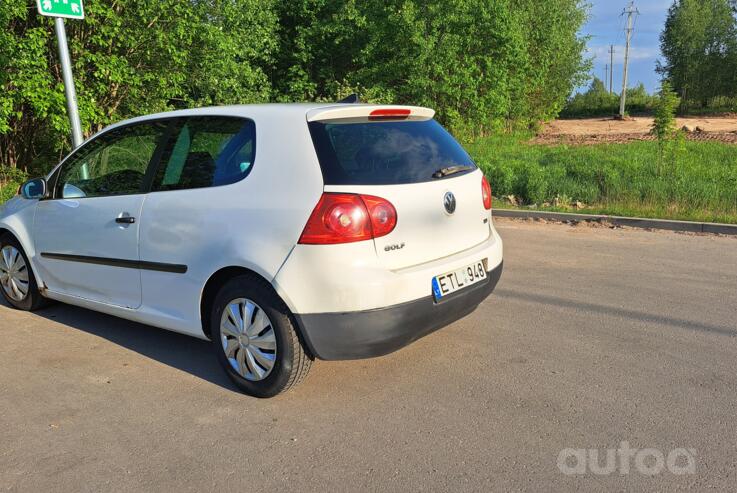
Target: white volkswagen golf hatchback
283,233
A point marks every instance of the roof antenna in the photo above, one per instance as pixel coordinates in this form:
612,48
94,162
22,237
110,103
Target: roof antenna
352,99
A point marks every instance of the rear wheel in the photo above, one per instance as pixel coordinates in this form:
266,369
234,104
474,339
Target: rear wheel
17,282
255,339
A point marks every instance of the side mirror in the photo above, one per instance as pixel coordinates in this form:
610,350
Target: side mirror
33,189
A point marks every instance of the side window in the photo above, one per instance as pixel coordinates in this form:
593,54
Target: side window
113,164
207,152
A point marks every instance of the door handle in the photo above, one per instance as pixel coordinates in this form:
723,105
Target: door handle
125,220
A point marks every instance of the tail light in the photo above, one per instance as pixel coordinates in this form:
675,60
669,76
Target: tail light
486,193
348,217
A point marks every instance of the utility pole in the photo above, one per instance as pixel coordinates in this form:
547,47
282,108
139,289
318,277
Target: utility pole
631,11
606,74
611,69
69,9
69,90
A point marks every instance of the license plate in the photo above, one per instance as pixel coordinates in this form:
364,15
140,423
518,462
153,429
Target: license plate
449,283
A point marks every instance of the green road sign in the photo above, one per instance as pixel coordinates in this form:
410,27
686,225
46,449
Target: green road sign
61,8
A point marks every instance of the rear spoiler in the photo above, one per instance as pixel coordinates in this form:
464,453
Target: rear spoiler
357,113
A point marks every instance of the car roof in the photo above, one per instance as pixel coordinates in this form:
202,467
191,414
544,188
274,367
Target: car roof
270,110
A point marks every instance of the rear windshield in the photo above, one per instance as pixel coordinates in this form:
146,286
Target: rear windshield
385,153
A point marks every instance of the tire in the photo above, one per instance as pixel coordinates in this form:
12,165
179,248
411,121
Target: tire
244,300
32,299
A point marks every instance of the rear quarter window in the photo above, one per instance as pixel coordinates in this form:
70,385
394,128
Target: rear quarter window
385,153
207,151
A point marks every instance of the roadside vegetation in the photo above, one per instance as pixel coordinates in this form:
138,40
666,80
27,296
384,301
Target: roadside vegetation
699,46
493,70
598,101
10,180
667,178
620,179
485,66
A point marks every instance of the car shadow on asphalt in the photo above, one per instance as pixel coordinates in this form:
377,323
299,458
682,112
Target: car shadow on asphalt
617,312
185,353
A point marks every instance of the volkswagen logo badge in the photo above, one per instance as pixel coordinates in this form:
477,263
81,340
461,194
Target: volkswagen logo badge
449,201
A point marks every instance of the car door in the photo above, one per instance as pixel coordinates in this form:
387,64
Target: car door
86,233
197,214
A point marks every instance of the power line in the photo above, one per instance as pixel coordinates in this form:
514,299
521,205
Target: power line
620,31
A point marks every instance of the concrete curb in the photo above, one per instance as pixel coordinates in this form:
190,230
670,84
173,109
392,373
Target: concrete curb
632,222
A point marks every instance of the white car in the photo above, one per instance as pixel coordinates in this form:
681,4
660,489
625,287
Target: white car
283,233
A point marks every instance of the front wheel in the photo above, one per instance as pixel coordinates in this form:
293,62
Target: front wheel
17,282
255,340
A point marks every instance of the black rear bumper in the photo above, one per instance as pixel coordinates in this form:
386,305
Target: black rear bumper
366,334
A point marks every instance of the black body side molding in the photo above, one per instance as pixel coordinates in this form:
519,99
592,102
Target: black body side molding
122,263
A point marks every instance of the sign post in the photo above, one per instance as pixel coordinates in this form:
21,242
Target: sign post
71,9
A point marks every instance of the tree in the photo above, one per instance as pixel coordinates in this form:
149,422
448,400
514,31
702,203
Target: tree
482,64
596,101
555,62
453,55
666,103
699,44
130,58
670,139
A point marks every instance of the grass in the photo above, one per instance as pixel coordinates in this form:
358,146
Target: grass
699,183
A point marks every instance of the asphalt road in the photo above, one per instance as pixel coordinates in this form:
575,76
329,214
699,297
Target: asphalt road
594,337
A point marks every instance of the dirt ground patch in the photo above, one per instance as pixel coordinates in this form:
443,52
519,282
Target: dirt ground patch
608,130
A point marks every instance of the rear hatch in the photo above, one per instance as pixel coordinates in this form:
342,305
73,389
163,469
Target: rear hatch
404,156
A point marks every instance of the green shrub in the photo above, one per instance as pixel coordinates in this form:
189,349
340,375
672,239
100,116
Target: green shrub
10,180
532,184
598,101
503,177
620,179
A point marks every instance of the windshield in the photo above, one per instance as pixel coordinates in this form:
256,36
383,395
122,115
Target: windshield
386,153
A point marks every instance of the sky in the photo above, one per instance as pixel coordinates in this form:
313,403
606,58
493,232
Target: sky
606,26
